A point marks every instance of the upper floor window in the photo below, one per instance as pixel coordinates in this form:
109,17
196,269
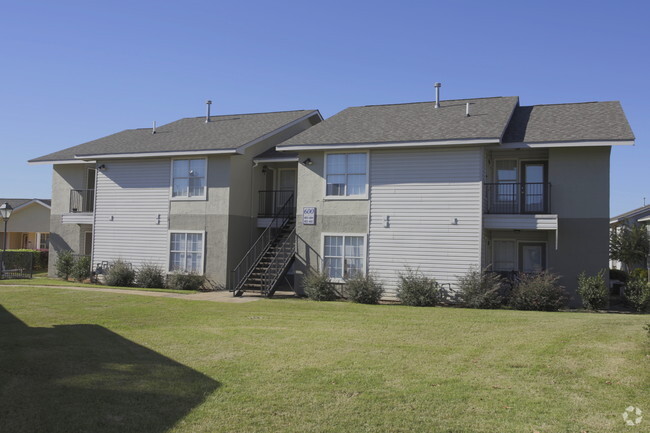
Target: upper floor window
188,177
346,174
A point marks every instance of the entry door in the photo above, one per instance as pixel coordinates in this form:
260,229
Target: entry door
287,185
88,243
532,257
534,198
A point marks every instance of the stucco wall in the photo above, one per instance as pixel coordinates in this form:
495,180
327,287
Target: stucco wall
31,218
580,197
65,177
332,216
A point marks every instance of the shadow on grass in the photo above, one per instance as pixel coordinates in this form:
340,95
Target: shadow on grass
85,378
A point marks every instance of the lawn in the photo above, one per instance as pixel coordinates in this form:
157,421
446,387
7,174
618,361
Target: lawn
75,361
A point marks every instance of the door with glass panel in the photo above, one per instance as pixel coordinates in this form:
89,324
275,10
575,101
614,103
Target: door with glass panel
506,192
532,257
534,197
286,187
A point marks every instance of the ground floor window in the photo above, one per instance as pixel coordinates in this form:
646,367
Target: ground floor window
186,252
344,255
510,255
44,241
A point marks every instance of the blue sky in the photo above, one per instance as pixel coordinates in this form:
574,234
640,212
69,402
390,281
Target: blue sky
76,71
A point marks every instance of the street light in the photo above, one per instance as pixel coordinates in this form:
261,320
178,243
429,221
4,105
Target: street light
5,213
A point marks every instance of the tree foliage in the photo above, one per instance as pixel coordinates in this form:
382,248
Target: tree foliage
629,245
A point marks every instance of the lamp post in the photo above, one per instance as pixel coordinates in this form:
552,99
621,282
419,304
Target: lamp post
5,213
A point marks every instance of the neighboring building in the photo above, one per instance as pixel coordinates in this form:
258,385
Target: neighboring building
29,224
515,188
184,198
637,216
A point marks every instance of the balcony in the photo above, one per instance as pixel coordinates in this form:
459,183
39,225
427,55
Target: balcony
82,200
518,206
518,198
82,204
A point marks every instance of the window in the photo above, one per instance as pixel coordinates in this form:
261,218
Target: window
503,259
346,174
45,239
188,177
532,257
344,256
186,252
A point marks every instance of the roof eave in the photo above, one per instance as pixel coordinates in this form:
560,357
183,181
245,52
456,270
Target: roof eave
398,144
583,143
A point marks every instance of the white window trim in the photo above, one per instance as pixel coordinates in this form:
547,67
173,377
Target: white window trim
365,252
347,197
517,242
171,182
169,248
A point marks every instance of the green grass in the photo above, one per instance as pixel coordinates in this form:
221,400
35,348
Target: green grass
103,362
45,281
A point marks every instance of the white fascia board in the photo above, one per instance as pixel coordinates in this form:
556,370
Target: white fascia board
263,160
243,147
643,220
59,161
401,144
86,158
541,145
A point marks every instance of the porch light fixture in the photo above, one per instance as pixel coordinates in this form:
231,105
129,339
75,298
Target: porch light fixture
102,167
5,213
308,161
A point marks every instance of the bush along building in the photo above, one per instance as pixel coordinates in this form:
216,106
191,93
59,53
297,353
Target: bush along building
439,187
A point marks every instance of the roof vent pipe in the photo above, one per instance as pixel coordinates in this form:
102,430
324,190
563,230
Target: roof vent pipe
153,131
207,116
467,109
437,86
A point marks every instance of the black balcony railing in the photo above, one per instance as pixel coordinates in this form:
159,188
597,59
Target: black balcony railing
82,200
518,198
270,203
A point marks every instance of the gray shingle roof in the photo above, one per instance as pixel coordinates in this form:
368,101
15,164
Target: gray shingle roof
587,121
638,212
17,202
189,134
412,122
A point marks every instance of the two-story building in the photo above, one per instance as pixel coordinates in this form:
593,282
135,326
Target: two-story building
443,187
183,196
438,187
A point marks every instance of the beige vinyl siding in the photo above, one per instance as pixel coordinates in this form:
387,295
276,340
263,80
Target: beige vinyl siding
130,196
422,192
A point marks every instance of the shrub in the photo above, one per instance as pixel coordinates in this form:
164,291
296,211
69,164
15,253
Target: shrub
640,274
317,286
617,274
417,290
593,291
480,289
647,328
150,276
185,281
81,268
64,264
539,292
364,289
120,274
637,293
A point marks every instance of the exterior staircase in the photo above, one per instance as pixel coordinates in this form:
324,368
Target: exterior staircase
270,256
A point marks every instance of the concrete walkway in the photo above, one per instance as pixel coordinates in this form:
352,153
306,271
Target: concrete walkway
220,296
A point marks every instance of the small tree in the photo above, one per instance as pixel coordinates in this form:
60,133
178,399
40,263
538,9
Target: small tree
593,291
629,245
64,264
81,268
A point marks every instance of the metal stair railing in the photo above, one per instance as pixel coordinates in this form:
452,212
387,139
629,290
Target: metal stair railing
247,265
279,264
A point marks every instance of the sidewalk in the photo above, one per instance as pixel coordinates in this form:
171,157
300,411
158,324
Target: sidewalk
220,296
